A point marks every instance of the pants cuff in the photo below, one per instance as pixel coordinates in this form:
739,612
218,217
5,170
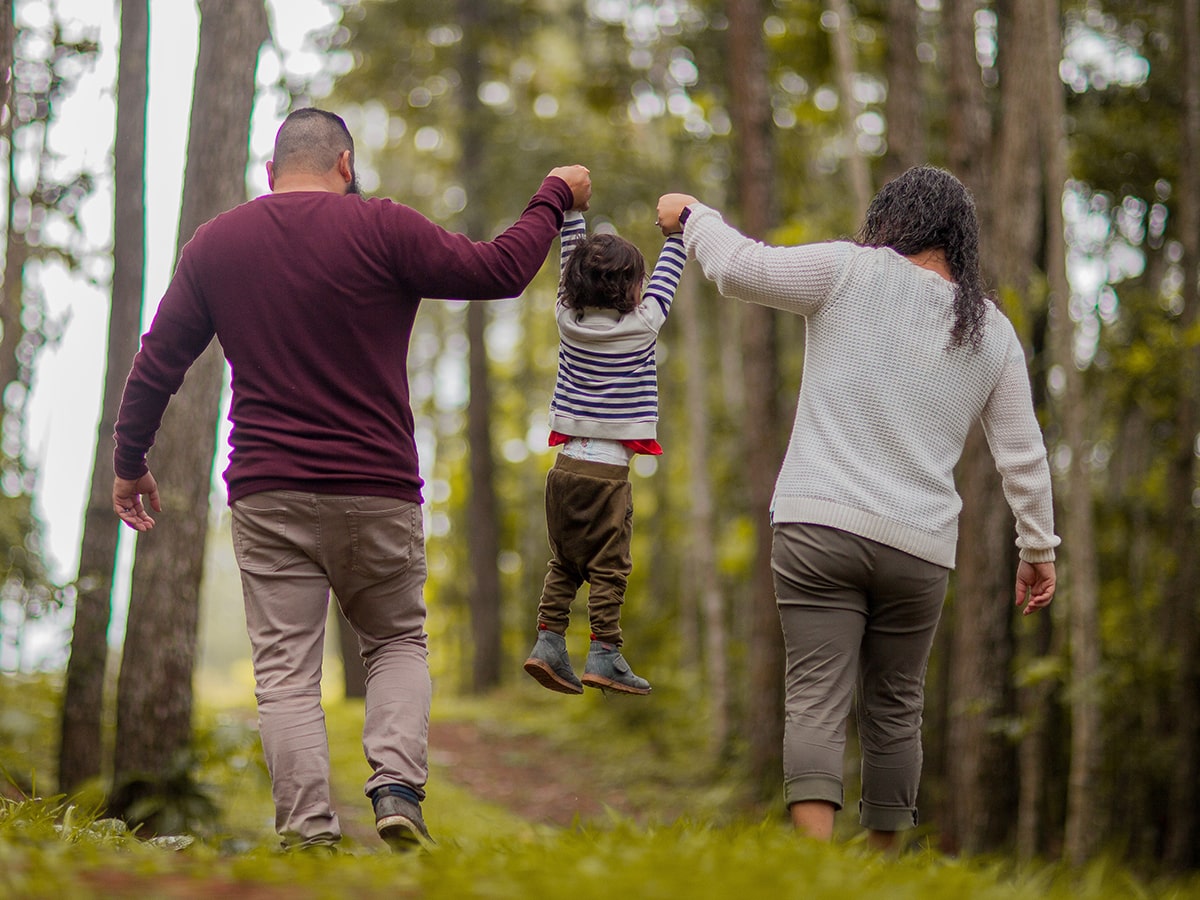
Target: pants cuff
886,818
814,787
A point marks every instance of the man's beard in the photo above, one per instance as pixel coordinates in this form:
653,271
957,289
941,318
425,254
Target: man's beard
353,187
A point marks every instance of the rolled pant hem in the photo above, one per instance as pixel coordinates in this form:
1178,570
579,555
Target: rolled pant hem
886,818
814,787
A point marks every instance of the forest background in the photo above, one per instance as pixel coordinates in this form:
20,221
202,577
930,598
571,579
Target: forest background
1077,125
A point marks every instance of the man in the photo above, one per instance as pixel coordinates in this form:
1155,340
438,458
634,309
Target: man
312,294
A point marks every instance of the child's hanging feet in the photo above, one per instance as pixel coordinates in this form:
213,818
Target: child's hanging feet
606,669
550,666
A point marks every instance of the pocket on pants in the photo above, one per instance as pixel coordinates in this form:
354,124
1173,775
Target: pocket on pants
260,542
382,541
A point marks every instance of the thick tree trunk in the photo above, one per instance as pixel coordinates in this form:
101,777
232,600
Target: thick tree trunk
904,110
154,693
80,756
1183,827
750,108
967,120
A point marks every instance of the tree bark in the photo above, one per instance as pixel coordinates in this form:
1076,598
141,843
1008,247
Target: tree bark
904,109
80,755
483,527
154,693
750,110
16,251
967,122
858,174
981,644
702,585
1183,829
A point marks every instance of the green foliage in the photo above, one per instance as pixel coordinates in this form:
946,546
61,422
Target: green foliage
28,731
52,847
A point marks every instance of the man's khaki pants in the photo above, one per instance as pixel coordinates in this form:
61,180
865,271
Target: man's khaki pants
291,548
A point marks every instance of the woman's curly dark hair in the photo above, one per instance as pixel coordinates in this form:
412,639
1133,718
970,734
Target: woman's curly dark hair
605,271
927,208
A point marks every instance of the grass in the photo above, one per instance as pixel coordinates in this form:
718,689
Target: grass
52,848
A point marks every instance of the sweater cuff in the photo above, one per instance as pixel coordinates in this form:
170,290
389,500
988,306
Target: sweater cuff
1043,555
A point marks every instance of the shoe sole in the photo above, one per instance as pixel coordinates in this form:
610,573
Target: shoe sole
402,834
607,684
548,678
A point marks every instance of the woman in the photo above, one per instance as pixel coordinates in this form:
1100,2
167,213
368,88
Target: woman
904,353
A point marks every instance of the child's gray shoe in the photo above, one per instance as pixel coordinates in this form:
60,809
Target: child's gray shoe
606,669
550,666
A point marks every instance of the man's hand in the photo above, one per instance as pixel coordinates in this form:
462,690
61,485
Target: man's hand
579,180
669,208
127,501
1035,585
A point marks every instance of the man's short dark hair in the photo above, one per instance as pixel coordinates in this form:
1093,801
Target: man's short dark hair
310,140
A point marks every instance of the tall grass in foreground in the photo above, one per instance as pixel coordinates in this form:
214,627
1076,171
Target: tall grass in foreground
53,847
48,850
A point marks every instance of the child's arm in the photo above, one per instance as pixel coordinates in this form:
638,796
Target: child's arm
664,280
574,230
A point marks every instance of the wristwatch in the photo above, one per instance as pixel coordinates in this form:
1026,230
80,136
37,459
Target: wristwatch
683,215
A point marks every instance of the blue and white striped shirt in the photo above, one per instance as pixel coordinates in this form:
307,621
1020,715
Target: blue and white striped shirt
607,383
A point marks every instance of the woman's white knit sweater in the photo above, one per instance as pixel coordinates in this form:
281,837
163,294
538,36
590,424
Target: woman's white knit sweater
886,404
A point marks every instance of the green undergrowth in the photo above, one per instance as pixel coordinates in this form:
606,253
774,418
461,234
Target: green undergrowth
491,856
58,847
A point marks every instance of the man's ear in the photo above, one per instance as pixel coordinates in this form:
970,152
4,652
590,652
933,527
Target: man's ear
270,174
344,168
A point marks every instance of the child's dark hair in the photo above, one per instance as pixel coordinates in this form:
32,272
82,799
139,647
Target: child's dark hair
604,271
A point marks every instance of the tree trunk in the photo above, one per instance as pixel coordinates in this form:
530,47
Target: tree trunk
1183,829
15,249
702,585
904,109
8,33
750,109
354,671
967,125
80,754
483,526
1083,823
154,693
858,174
981,643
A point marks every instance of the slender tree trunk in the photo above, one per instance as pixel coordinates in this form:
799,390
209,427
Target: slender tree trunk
15,249
858,174
154,693
1084,823
80,756
1183,829
750,109
904,109
702,581
354,671
483,527
7,35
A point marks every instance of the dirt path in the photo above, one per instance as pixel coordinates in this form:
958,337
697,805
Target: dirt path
526,775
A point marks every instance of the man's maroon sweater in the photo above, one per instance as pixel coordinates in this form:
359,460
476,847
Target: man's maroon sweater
312,296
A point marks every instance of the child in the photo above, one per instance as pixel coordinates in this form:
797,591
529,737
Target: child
604,410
